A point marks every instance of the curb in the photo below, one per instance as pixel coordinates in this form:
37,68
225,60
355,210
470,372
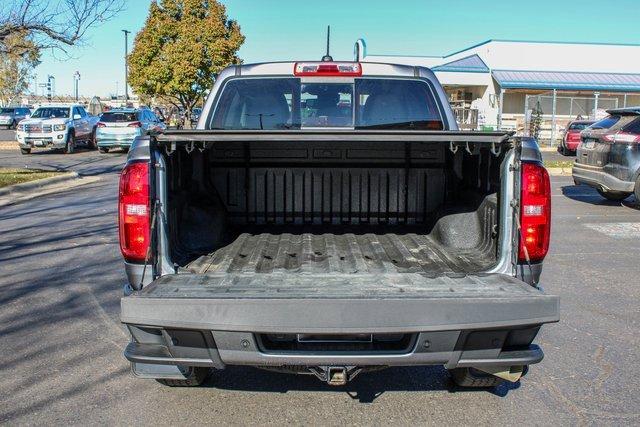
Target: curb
37,184
547,149
9,145
560,171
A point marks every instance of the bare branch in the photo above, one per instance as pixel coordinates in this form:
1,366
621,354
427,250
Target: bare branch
56,24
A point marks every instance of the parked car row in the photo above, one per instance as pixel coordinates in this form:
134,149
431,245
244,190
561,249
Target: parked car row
608,156
65,126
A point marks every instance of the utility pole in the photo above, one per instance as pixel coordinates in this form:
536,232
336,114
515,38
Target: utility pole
76,81
126,68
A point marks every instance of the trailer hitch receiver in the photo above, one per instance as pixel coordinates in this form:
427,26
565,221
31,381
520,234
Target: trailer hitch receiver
335,375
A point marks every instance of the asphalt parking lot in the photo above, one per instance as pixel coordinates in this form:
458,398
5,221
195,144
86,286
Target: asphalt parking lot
61,355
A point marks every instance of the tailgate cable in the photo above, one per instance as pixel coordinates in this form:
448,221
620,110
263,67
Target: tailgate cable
154,214
524,247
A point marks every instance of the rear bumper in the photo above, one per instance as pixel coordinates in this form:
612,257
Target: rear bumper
596,177
104,142
491,321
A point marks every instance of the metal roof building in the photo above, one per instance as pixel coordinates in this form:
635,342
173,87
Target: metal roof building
496,83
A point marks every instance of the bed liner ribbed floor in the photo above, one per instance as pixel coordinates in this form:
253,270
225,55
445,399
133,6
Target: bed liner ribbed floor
347,253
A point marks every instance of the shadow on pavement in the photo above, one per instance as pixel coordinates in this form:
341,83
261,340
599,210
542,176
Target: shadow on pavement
586,194
365,388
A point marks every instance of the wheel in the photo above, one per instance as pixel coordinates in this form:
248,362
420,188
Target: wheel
14,125
70,146
125,149
195,377
92,143
103,150
25,151
636,191
614,196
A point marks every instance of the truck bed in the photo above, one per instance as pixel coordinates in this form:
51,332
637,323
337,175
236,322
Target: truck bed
348,253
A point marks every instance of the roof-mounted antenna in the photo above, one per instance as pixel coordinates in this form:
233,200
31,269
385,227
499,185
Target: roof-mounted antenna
327,57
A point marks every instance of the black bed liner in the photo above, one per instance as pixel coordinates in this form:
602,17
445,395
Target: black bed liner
347,253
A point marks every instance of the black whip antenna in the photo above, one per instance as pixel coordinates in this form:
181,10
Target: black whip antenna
327,57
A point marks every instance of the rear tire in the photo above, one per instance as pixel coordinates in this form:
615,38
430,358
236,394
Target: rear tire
125,149
197,375
614,196
70,146
92,143
103,150
25,151
636,191
469,377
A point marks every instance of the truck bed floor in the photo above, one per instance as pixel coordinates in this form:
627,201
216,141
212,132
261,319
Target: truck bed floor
346,253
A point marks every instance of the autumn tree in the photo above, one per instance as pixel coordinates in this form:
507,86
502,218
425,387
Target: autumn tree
55,24
183,45
20,57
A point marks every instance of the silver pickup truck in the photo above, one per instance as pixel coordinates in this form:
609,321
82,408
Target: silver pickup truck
328,218
59,127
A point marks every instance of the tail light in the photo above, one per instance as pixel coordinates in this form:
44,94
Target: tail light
573,137
622,137
101,125
535,213
311,69
133,211
134,125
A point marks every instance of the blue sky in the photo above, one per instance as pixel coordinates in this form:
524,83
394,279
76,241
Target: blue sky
295,30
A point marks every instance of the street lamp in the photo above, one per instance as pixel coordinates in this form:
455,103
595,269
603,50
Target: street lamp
126,68
76,80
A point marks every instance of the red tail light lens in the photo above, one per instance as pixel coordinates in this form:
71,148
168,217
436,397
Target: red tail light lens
135,125
573,137
133,211
535,213
344,69
101,125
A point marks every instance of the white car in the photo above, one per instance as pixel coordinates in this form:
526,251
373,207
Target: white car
59,127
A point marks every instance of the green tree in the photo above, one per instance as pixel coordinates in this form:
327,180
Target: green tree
183,45
535,123
20,57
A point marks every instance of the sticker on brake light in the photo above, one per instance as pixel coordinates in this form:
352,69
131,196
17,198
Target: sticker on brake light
327,69
138,210
533,210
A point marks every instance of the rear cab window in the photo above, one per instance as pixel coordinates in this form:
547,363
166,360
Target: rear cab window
292,103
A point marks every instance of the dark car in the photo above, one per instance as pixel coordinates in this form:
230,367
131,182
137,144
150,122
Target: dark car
571,139
608,158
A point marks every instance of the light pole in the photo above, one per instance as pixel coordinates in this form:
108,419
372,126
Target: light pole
126,68
76,80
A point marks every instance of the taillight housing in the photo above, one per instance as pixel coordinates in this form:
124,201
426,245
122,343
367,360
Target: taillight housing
135,125
622,137
535,213
133,211
101,125
338,69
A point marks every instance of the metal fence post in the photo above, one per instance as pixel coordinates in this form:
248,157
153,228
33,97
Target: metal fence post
526,111
553,120
595,105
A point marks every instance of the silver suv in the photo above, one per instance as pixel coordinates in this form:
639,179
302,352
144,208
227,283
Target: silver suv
11,116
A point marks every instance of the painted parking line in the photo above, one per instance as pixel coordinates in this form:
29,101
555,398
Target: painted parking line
618,230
